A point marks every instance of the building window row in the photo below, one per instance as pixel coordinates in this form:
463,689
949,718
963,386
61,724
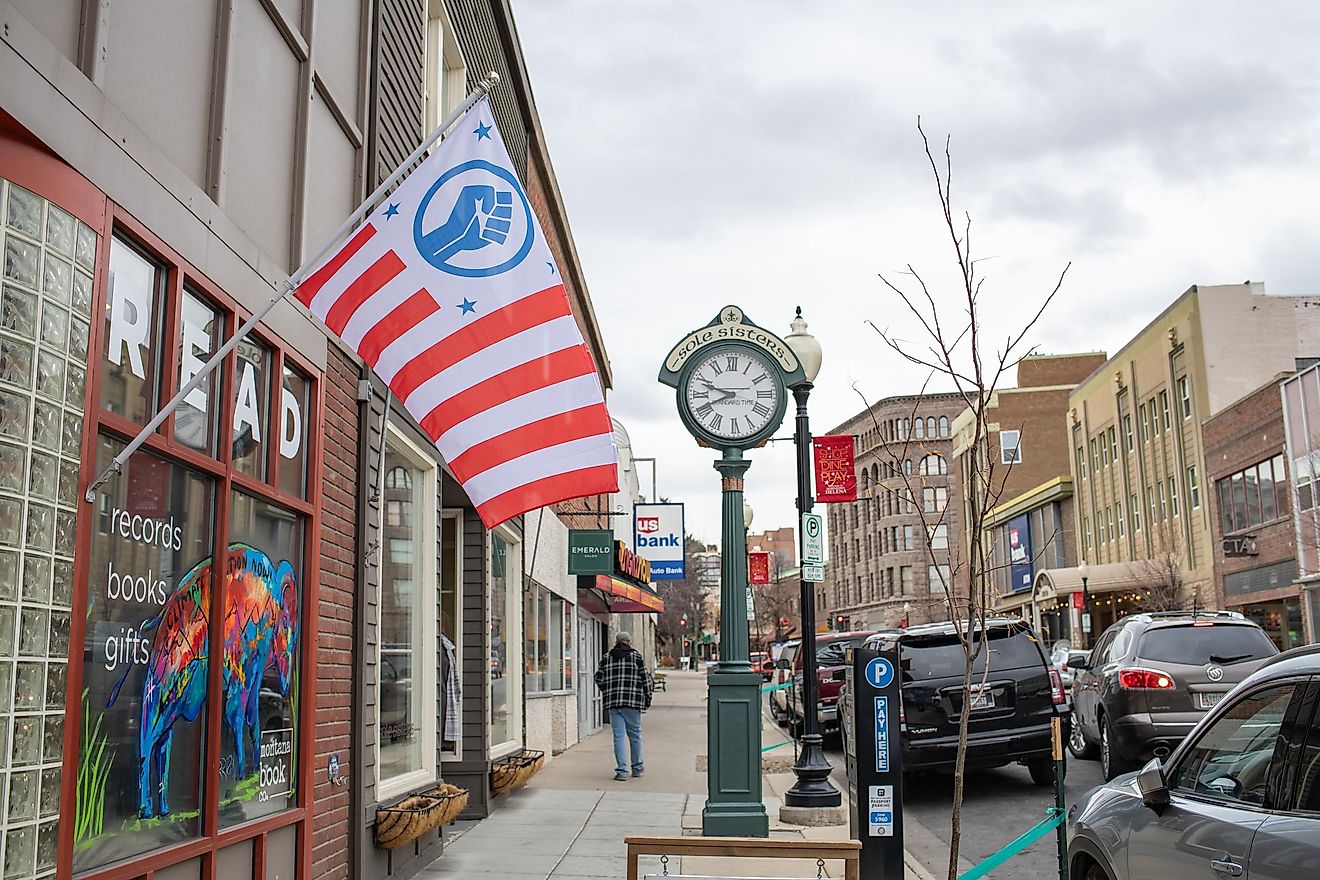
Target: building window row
928,428
1258,495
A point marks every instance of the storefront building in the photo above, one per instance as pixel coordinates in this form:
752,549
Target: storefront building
138,229
1301,416
1027,534
1251,514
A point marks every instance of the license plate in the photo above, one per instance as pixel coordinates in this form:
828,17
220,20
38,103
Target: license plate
983,699
1208,701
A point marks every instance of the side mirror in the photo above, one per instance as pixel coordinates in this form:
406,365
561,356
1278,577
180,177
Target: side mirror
782,664
1150,782
1078,663
839,675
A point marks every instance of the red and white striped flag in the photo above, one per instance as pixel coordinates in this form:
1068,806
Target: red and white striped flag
449,292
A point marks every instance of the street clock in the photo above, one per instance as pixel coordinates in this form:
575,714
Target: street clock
732,380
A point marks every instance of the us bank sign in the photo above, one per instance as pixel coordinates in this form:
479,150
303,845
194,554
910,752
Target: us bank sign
658,538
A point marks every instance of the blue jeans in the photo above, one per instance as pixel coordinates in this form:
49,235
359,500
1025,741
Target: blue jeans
629,722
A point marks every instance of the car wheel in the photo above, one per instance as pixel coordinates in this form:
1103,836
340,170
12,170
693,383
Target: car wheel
1094,872
1042,771
1078,745
1111,763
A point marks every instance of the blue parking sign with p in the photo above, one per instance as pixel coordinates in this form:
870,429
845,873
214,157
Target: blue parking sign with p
879,673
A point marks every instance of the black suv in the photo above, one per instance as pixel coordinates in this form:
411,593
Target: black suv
1152,677
1015,693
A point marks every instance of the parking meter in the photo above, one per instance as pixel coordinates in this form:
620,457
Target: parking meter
875,762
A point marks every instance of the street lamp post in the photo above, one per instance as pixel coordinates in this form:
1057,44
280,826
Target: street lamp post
907,614
813,788
1084,571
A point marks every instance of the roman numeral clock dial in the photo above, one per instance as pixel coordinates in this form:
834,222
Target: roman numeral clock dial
732,393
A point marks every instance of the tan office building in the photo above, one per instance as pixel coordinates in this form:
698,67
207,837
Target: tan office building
1138,452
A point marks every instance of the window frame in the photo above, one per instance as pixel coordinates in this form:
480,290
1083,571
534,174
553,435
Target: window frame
226,480
1185,394
427,596
514,600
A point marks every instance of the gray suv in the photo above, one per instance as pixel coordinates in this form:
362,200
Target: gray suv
1239,798
1152,677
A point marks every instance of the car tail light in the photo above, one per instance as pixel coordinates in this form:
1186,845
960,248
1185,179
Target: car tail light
1144,679
1056,685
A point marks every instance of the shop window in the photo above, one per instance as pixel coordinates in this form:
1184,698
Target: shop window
251,407
549,653
408,652
263,602
505,673
143,745
451,619
295,403
196,418
133,318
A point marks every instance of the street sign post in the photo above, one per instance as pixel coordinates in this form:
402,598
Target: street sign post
813,574
813,539
875,762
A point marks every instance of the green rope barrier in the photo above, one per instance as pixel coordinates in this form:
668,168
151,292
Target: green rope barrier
787,742
766,688
1022,842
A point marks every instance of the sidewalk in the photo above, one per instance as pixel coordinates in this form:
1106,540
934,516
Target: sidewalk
570,820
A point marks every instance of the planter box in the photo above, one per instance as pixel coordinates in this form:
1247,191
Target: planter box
513,771
408,820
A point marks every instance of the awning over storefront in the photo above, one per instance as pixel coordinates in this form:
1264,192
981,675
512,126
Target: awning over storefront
1055,584
621,596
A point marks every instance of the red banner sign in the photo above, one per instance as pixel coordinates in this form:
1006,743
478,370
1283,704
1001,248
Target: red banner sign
836,473
1077,601
758,567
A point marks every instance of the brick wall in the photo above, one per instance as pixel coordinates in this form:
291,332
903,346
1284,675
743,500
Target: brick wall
1046,370
330,811
1239,436
1041,416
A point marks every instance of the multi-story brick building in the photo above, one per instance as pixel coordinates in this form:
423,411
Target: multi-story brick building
1138,450
890,550
1028,523
1254,546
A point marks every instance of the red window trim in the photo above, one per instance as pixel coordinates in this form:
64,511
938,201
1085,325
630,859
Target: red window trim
52,179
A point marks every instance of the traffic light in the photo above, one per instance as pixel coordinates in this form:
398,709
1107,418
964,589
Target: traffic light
687,644
682,622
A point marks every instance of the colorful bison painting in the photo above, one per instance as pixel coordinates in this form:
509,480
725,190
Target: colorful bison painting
260,631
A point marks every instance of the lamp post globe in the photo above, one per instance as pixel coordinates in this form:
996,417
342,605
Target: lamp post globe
813,788
747,515
1084,572
805,346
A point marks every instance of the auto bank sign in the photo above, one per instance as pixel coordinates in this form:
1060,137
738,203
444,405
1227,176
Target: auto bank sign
658,538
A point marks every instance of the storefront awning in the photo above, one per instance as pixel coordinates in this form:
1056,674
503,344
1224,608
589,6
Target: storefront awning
621,596
1112,577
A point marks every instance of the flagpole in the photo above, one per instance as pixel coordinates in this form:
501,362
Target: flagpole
288,284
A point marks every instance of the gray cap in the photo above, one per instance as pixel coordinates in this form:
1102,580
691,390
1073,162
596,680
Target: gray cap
623,637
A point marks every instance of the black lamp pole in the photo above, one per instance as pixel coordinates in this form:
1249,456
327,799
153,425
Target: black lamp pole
813,787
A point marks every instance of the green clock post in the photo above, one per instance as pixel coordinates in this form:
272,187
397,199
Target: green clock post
731,378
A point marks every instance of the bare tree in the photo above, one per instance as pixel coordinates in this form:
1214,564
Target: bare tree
954,351
685,603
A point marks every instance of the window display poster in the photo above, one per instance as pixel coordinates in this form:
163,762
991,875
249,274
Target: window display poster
142,755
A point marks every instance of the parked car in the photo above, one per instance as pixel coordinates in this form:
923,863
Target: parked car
762,663
783,675
831,660
1015,693
1152,677
1239,797
1059,659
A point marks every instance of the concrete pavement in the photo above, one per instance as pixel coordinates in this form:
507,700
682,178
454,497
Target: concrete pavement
569,822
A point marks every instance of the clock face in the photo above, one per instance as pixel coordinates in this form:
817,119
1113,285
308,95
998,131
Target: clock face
732,392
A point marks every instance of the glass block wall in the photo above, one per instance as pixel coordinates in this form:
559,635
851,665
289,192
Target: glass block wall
46,265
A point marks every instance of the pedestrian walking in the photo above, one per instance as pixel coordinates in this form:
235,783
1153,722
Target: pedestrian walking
626,687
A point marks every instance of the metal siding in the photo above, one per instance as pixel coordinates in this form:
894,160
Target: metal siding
146,38
474,25
259,156
398,100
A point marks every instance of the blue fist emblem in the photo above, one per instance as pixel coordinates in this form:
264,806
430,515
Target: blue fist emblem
474,221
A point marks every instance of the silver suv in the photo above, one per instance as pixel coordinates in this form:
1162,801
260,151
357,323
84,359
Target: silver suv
1239,798
1152,677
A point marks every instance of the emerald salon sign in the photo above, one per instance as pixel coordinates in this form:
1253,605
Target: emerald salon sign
590,551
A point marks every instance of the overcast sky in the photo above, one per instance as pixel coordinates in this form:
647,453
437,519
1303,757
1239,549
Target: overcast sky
766,154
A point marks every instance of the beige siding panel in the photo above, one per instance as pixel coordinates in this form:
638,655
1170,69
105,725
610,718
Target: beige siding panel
57,20
337,44
331,162
261,125
146,38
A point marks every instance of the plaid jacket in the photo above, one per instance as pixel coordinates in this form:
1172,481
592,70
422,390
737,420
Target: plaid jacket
624,681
